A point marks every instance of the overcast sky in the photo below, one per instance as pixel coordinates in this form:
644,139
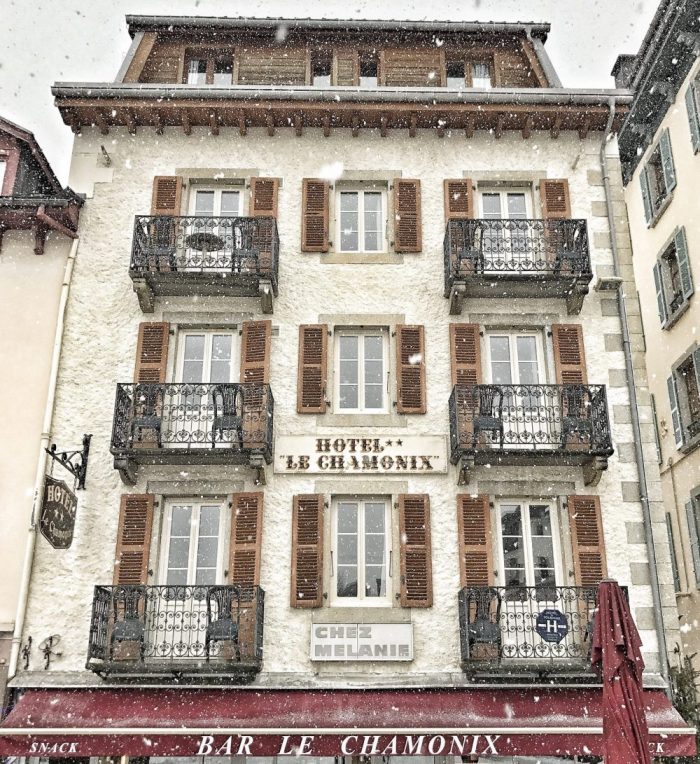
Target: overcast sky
45,41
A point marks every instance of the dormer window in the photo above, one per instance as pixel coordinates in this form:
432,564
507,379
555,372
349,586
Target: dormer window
320,70
369,71
481,75
3,165
209,69
455,74
197,71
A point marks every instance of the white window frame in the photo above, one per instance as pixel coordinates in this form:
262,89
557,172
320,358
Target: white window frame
222,549
489,66
360,332
525,504
503,192
361,600
378,188
512,336
217,189
208,342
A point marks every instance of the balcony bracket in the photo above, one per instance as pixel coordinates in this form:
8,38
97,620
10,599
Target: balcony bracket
257,463
593,469
457,298
574,300
145,294
265,291
466,466
128,469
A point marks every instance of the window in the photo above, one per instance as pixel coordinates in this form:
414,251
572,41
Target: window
361,370
505,243
455,74
192,543
692,105
657,178
515,359
693,518
528,541
684,398
361,532
321,70
505,203
3,165
216,201
673,280
361,220
209,68
481,75
208,357
369,77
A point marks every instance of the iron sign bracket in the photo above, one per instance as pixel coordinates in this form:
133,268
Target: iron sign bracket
76,462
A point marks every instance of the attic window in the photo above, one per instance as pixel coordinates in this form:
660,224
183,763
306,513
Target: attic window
320,70
455,74
481,75
223,70
209,68
368,71
197,71
3,165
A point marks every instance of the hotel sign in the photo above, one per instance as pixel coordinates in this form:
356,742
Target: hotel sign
360,454
361,642
58,513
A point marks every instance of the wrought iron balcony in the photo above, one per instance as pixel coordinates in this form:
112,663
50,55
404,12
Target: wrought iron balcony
530,425
517,258
530,629
195,423
177,631
204,256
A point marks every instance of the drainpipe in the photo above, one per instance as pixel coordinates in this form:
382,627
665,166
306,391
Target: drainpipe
41,466
632,392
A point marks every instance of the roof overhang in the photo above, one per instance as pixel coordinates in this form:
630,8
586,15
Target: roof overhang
259,722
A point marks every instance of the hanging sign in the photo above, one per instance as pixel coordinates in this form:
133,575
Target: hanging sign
552,625
58,513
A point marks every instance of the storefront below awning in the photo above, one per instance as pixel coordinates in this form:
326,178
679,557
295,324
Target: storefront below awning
419,722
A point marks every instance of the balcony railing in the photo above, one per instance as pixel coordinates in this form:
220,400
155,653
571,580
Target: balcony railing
204,256
192,423
177,630
529,424
517,258
537,628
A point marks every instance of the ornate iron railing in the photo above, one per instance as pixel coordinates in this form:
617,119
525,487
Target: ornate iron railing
197,244
543,418
180,416
177,628
539,248
522,625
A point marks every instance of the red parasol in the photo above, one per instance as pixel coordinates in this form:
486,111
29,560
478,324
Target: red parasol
616,650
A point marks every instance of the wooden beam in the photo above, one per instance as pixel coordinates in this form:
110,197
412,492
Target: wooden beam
584,128
214,122
355,125
101,122
298,125
39,238
326,125
412,125
383,125
130,120
498,131
185,119
440,127
159,123
556,127
242,124
469,128
47,220
527,127
270,122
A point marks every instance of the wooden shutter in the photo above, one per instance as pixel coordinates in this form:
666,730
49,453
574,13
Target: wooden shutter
133,539
660,294
167,195
416,556
307,551
693,537
263,197
675,410
569,354
255,373
465,354
646,195
152,352
554,197
246,540
475,540
407,215
314,215
459,199
691,104
667,161
410,369
312,370
684,263
587,540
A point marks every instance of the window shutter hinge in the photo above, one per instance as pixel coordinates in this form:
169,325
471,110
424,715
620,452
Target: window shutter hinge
171,331
550,333
150,571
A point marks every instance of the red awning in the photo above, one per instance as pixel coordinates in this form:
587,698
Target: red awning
190,722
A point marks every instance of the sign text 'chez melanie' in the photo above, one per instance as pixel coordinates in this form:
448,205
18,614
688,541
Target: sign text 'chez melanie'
359,454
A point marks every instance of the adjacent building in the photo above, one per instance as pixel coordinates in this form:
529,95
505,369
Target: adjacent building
354,326
659,144
38,225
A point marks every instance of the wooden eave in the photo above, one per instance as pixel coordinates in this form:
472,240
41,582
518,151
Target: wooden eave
40,215
213,113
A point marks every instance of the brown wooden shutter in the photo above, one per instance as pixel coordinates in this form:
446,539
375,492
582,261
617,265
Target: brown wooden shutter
255,373
465,354
569,354
263,197
246,540
152,352
407,216
587,540
312,371
554,197
416,556
167,195
475,542
307,551
133,539
314,215
410,369
459,199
